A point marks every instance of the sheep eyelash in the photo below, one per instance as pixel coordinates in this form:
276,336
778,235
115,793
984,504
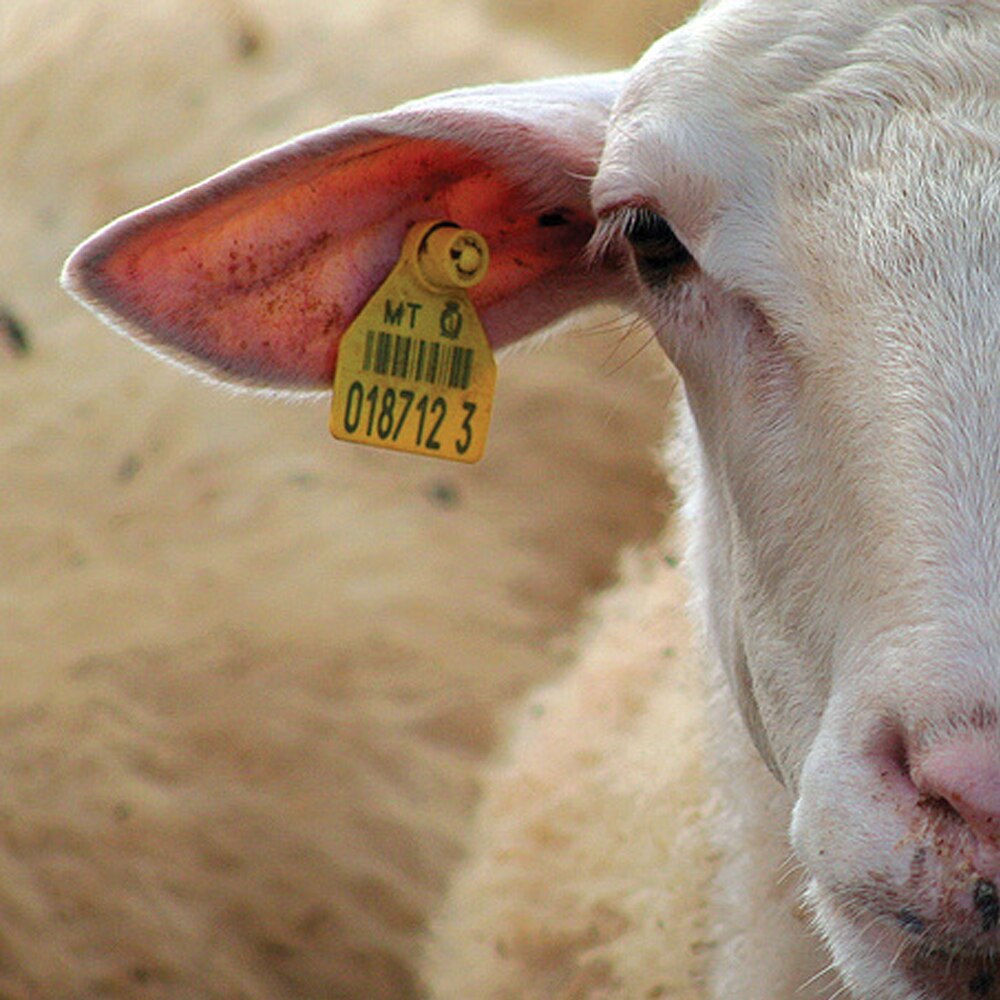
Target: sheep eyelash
609,242
638,233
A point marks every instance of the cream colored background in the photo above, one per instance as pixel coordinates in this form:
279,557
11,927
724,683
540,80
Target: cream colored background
249,676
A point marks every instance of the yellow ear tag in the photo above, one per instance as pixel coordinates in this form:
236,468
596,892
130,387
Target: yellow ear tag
415,371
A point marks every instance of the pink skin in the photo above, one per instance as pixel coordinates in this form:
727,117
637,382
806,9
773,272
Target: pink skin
254,275
965,773
266,277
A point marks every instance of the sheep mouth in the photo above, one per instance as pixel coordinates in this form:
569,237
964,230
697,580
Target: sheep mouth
944,972
913,960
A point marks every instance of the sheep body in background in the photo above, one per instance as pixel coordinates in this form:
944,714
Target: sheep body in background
242,730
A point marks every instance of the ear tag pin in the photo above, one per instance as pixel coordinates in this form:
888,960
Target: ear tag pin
415,371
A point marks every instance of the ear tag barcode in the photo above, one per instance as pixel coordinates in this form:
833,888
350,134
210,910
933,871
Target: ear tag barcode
415,371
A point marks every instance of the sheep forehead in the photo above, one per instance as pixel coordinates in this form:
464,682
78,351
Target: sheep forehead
782,67
773,118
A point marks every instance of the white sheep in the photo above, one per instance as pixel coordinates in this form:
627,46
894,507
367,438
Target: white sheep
800,197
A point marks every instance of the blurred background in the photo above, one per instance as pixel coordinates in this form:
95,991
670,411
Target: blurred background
249,677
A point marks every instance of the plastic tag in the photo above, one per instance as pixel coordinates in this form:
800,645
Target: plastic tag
415,371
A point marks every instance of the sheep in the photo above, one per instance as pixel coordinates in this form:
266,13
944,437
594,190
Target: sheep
226,771
799,198
591,866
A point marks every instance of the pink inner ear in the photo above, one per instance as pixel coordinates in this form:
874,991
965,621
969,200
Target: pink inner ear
256,274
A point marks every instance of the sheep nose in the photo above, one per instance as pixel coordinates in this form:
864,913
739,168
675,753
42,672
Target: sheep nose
964,773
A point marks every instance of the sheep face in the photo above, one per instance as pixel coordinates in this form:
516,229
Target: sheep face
810,194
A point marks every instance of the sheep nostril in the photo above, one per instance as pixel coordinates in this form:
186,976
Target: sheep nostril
892,758
962,779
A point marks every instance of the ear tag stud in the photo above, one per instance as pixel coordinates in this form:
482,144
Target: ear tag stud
415,371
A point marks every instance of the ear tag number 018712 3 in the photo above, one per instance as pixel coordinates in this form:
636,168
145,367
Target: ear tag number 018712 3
415,371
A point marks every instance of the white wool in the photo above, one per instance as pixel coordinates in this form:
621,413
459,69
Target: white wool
592,853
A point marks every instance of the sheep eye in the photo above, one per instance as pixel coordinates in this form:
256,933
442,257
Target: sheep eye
658,252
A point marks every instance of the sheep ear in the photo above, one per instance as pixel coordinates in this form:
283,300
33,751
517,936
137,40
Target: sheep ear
253,275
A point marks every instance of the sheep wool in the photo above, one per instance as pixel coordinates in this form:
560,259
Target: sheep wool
243,722
592,859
